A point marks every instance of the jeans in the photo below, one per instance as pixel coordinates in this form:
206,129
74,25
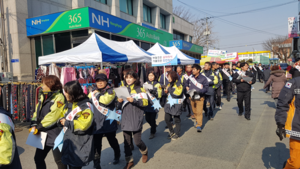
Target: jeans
210,110
113,142
244,97
137,137
170,125
151,119
40,156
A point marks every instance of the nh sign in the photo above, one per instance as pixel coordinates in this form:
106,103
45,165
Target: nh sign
36,22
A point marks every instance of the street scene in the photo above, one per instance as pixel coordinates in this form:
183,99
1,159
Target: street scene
164,84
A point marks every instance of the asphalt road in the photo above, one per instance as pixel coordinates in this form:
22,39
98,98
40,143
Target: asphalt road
227,142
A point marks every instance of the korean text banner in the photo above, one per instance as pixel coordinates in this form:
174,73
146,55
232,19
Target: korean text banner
166,60
231,56
217,53
292,27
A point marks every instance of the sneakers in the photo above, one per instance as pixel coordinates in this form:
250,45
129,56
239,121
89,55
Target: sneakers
152,136
193,117
171,135
175,137
199,129
220,107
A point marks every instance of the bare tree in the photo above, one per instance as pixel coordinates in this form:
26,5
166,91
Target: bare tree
199,27
278,47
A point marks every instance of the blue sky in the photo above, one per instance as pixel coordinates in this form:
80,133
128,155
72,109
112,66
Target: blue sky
231,37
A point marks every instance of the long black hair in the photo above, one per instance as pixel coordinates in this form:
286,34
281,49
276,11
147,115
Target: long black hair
134,75
75,91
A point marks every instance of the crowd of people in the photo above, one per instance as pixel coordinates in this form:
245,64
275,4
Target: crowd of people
195,90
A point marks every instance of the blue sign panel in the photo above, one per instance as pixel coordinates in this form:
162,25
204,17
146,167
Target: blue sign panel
15,60
106,22
177,43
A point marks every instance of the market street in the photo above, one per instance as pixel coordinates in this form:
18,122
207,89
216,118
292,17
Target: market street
227,142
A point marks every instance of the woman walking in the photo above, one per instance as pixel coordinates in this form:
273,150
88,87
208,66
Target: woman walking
48,111
78,148
175,92
153,94
277,80
132,117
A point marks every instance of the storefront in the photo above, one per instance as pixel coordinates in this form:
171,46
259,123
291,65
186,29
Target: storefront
188,48
64,30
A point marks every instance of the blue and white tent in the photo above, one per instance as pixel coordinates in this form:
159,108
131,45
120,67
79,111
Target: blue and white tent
183,59
97,49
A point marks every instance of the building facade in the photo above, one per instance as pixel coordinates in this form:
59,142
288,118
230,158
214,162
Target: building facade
36,28
253,55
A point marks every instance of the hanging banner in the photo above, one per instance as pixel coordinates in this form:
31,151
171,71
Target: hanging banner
231,57
217,53
292,27
166,60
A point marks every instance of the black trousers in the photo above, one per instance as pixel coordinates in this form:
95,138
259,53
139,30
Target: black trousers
40,156
268,87
137,137
211,100
233,87
151,119
70,167
218,96
187,103
260,76
177,120
244,97
227,88
163,100
113,142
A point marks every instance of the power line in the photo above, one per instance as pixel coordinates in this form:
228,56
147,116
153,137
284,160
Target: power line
229,22
244,45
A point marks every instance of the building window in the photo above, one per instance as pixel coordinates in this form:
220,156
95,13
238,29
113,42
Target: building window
78,37
102,1
62,41
126,6
163,21
38,48
105,35
118,38
178,35
145,46
191,39
48,47
147,14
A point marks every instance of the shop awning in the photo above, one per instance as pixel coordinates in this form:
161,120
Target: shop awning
183,59
97,49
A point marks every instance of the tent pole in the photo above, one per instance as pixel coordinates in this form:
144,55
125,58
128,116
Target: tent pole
101,67
165,75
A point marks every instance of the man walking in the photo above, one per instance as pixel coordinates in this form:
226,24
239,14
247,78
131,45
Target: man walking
199,84
287,120
226,74
209,96
186,102
244,89
217,97
233,85
267,74
260,73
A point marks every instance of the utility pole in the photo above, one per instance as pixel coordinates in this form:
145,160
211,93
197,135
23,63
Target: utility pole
206,33
3,38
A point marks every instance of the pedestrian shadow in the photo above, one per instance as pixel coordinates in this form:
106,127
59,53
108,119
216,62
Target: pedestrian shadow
270,104
236,109
274,157
20,150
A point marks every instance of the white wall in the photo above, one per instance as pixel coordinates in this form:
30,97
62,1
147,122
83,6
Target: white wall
45,7
183,26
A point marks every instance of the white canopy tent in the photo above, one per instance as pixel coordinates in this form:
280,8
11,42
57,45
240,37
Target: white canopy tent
97,49
183,59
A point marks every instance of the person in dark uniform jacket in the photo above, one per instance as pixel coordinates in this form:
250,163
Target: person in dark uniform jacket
295,71
227,78
106,97
174,90
287,118
132,117
9,156
47,112
244,89
150,112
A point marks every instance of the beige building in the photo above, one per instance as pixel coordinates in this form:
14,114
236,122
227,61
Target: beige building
27,40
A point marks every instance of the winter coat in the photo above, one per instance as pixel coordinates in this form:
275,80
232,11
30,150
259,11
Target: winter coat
243,86
133,113
288,108
78,144
295,72
200,79
9,156
214,81
106,98
176,92
267,74
158,93
47,112
278,80
218,73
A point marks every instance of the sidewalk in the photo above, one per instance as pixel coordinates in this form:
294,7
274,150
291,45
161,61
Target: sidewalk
227,142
